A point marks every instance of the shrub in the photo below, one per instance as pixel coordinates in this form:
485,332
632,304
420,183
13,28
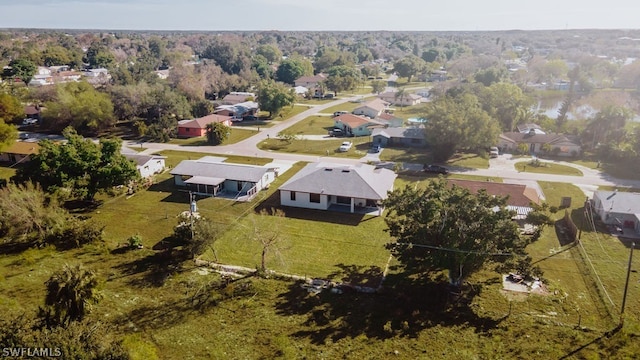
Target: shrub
135,241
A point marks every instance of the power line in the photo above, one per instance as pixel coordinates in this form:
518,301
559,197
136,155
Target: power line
457,250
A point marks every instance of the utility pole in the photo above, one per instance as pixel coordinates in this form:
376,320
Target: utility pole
191,212
626,285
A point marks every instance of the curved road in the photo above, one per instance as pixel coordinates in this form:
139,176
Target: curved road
502,167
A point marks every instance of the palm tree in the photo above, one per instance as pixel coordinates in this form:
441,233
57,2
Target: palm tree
70,294
400,94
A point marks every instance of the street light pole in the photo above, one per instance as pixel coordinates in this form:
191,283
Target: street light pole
626,285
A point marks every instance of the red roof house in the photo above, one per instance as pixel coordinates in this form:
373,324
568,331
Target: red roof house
198,127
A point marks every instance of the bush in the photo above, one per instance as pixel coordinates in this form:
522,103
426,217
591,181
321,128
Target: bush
76,234
135,241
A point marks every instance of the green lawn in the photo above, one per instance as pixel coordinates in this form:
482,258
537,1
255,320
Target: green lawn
330,239
6,172
409,112
547,168
568,271
313,125
413,155
467,160
291,111
623,170
235,135
319,147
174,157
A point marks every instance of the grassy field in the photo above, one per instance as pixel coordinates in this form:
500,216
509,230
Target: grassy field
319,147
166,308
408,155
313,125
547,168
235,135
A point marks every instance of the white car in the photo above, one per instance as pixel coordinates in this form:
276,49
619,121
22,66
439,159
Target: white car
29,121
345,146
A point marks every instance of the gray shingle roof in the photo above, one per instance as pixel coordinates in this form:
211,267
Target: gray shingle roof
619,201
220,170
142,159
358,181
554,139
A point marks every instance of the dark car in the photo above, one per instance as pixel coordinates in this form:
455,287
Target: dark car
375,149
250,118
436,169
336,132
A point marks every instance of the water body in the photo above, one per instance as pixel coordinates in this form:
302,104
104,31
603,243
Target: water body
576,113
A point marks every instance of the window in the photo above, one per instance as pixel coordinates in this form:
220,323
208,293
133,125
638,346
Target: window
314,198
292,196
343,200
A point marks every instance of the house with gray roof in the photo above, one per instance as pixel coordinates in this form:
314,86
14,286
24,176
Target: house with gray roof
237,111
558,144
147,165
618,208
211,176
403,136
336,187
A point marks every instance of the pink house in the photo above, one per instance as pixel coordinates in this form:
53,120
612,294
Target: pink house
198,127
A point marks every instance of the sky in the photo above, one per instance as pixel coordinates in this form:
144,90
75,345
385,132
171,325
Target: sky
318,15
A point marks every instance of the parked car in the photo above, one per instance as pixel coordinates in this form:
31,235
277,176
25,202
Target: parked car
376,149
29,121
24,136
345,146
250,118
328,96
338,113
494,152
437,169
336,132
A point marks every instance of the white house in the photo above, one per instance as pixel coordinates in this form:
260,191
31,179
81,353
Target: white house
211,176
337,187
147,165
621,209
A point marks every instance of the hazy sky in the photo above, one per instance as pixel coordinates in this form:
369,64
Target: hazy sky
320,14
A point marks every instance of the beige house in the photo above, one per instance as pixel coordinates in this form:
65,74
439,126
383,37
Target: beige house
558,144
310,82
405,100
372,109
19,152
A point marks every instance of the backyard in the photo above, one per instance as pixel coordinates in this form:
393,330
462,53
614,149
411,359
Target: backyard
165,307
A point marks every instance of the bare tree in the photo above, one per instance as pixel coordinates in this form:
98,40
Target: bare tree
267,231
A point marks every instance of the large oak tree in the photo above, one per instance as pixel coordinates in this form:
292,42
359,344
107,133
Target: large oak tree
447,228
78,167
